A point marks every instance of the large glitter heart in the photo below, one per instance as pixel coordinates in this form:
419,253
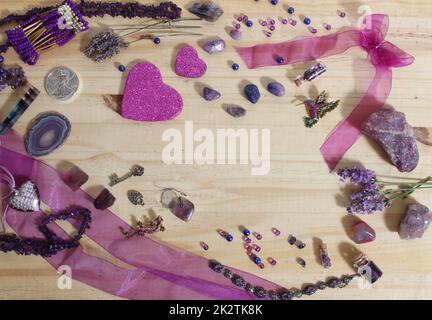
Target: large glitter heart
27,198
188,64
147,98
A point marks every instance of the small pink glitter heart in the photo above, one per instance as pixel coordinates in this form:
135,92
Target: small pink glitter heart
147,98
188,64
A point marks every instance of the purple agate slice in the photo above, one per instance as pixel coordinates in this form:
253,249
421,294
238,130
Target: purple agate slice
415,222
395,136
47,132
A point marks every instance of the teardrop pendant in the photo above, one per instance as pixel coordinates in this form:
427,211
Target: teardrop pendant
178,204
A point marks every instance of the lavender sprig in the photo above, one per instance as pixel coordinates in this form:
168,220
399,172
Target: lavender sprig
373,197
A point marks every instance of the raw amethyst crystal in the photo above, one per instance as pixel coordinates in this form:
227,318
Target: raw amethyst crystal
47,132
211,94
104,200
214,46
208,10
395,136
415,222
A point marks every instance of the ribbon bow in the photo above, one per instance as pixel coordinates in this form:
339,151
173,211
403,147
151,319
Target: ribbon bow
383,55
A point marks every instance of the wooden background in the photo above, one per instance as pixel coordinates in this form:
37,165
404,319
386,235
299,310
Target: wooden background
298,196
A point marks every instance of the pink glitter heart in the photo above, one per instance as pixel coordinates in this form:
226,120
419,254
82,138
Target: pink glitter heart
147,98
188,64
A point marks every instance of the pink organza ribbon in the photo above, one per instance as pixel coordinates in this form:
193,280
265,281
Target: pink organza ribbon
157,270
383,55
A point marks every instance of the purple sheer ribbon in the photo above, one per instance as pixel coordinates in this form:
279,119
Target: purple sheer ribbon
383,55
157,271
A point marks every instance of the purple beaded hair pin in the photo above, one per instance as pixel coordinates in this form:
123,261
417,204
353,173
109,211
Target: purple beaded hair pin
46,30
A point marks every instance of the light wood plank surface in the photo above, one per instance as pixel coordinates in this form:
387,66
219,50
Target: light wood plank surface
298,196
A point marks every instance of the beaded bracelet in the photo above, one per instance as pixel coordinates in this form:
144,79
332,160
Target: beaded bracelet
283,294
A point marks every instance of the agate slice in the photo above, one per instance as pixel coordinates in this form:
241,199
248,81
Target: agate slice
46,133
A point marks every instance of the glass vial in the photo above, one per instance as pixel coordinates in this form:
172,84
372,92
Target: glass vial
367,268
312,73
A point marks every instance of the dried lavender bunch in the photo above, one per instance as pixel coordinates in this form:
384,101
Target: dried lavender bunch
318,109
373,197
167,10
104,45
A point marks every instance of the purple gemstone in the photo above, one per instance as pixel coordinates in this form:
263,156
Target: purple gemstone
276,88
292,240
415,222
371,272
209,10
182,208
396,137
75,178
47,132
363,233
214,46
104,200
236,111
236,34
211,94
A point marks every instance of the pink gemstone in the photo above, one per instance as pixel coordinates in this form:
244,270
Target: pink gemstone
75,178
104,200
363,233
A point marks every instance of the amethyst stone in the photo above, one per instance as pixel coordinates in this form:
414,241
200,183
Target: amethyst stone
236,111
395,136
310,290
208,10
415,222
75,178
182,208
211,94
252,93
236,34
47,132
276,88
214,46
104,200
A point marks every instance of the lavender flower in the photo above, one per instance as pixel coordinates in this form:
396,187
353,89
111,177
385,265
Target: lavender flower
367,201
357,175
104,45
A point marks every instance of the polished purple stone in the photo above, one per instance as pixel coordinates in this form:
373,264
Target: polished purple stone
363,233
276,88
236,111
211,94
396,137
415,222
75,178
236,34
182,208
104,200
47,132
214,46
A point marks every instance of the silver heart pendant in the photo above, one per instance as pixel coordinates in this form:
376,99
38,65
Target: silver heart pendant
26,198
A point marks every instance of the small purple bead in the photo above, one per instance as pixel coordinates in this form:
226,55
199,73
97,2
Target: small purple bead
271,261
261,265
275,231
293,22
204,245
248,247
327,26
256,247
245,18
247,239
257,235
301,262
237,26
292,240
284,21
272,28
268,34
313,30
341,14
240,18
272,22
263,23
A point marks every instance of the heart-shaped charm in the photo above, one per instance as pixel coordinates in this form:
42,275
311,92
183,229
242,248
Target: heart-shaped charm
26,198
147,98
188,64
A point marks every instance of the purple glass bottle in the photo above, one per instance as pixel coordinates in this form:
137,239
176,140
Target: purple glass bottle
312,73
367,268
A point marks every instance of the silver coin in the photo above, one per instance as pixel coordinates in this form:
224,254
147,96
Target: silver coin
61,83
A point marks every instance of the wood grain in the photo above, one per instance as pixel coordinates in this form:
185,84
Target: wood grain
298,196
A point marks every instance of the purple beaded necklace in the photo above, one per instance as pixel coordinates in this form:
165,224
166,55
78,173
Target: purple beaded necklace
42,29
52,244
